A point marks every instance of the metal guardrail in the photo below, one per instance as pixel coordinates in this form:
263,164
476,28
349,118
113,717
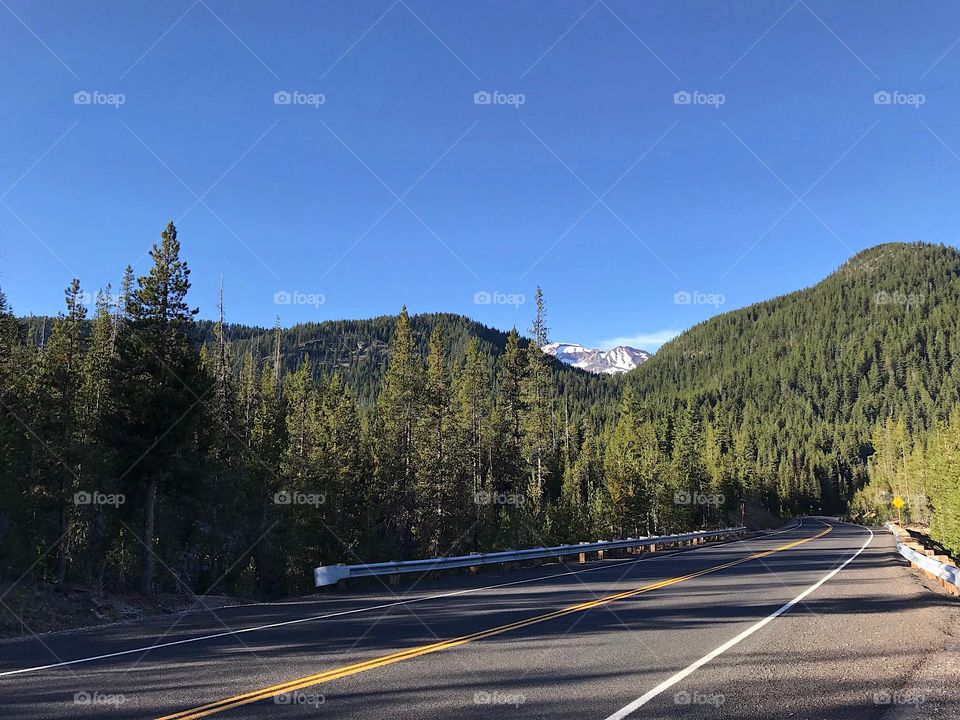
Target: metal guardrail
332,574
947,573
943,571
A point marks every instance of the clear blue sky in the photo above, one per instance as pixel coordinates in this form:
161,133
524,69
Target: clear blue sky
765,193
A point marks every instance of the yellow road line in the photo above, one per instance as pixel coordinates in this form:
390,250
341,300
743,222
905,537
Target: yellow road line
359,667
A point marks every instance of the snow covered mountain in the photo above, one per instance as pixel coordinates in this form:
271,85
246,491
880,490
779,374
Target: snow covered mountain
607,362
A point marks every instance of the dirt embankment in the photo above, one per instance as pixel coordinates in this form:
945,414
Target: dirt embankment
32,610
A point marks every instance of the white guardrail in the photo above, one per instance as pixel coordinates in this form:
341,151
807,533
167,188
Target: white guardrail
943,571
332,574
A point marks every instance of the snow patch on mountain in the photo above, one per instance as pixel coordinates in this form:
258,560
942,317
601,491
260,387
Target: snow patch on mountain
607,362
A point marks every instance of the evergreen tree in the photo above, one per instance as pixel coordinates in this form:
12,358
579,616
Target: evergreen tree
160,404
437,500
509,408
397,414
474,410
61,412
537,393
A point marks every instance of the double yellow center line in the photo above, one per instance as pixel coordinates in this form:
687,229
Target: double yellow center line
355,668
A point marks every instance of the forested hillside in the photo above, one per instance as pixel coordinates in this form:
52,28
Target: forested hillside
797,385
359,352
143,449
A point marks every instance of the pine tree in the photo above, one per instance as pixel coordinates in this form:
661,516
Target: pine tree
347,463
268,444
632,469
474,409
537,392
97,404
436,493
397,414
160,402
18,532
62,428
690,479
510,412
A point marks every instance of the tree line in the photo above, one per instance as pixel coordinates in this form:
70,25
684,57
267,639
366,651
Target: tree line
922,469
139,454
142,449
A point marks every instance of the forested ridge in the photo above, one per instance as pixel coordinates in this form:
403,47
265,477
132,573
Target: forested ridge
803,385
141,448
359,351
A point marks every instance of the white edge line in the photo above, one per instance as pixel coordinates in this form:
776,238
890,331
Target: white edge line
689,670
297,621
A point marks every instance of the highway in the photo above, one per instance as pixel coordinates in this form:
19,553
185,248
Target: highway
820,619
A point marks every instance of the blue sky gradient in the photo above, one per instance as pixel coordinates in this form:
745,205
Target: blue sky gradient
637,213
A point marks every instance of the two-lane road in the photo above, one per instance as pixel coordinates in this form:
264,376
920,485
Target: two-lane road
809,621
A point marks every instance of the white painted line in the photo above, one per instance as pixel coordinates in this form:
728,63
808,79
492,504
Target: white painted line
298,621
689,670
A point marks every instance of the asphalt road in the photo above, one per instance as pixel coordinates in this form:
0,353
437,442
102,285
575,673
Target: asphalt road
819,620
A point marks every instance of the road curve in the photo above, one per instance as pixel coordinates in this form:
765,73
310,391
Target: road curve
818,620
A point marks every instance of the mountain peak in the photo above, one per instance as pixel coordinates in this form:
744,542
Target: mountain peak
614,361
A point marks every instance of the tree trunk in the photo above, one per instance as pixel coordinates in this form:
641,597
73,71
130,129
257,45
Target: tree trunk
146,559
60,571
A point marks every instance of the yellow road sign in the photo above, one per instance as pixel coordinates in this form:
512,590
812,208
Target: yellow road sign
897,502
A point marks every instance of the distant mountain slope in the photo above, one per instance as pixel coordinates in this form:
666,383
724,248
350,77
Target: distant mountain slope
805,376
359,351
607,362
